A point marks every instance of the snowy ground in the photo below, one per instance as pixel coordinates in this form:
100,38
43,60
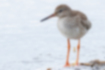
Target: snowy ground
27,44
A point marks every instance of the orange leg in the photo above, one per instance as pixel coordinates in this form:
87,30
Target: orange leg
78,49
68,53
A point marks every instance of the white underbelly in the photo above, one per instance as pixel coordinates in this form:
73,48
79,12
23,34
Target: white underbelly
71,30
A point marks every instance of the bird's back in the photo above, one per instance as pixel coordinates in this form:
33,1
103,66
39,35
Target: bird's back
82,15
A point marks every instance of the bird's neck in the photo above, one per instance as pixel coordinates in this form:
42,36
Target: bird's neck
65,16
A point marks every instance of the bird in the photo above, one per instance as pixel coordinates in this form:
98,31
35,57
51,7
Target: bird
73,24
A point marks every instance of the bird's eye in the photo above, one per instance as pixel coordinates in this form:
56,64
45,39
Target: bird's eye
60,11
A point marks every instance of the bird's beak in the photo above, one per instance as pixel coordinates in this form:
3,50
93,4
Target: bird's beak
48,17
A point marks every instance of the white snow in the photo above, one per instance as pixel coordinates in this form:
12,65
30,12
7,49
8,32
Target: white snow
28,44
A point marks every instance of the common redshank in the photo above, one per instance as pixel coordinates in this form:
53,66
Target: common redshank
73,25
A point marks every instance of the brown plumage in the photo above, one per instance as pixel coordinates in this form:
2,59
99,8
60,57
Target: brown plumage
74,13
72,24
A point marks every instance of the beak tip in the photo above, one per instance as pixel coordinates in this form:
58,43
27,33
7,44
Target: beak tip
41,20
47,17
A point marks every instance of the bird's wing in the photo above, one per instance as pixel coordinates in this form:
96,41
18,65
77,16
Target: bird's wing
86,24
83,19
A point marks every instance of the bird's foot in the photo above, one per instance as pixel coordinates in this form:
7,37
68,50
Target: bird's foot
67,65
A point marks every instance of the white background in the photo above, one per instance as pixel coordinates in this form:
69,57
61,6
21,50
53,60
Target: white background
28,44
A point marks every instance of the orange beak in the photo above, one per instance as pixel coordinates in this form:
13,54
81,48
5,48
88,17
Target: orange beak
48,17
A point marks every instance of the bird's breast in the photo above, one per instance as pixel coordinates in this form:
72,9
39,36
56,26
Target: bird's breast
69,27
66,24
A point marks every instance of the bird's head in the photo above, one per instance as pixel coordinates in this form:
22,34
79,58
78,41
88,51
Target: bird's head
60,11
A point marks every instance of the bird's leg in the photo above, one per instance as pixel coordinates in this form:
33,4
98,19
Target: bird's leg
78,49
68,53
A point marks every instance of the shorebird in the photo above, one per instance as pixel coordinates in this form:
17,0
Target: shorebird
73,25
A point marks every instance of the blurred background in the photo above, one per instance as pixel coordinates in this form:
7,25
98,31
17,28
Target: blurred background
27,44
